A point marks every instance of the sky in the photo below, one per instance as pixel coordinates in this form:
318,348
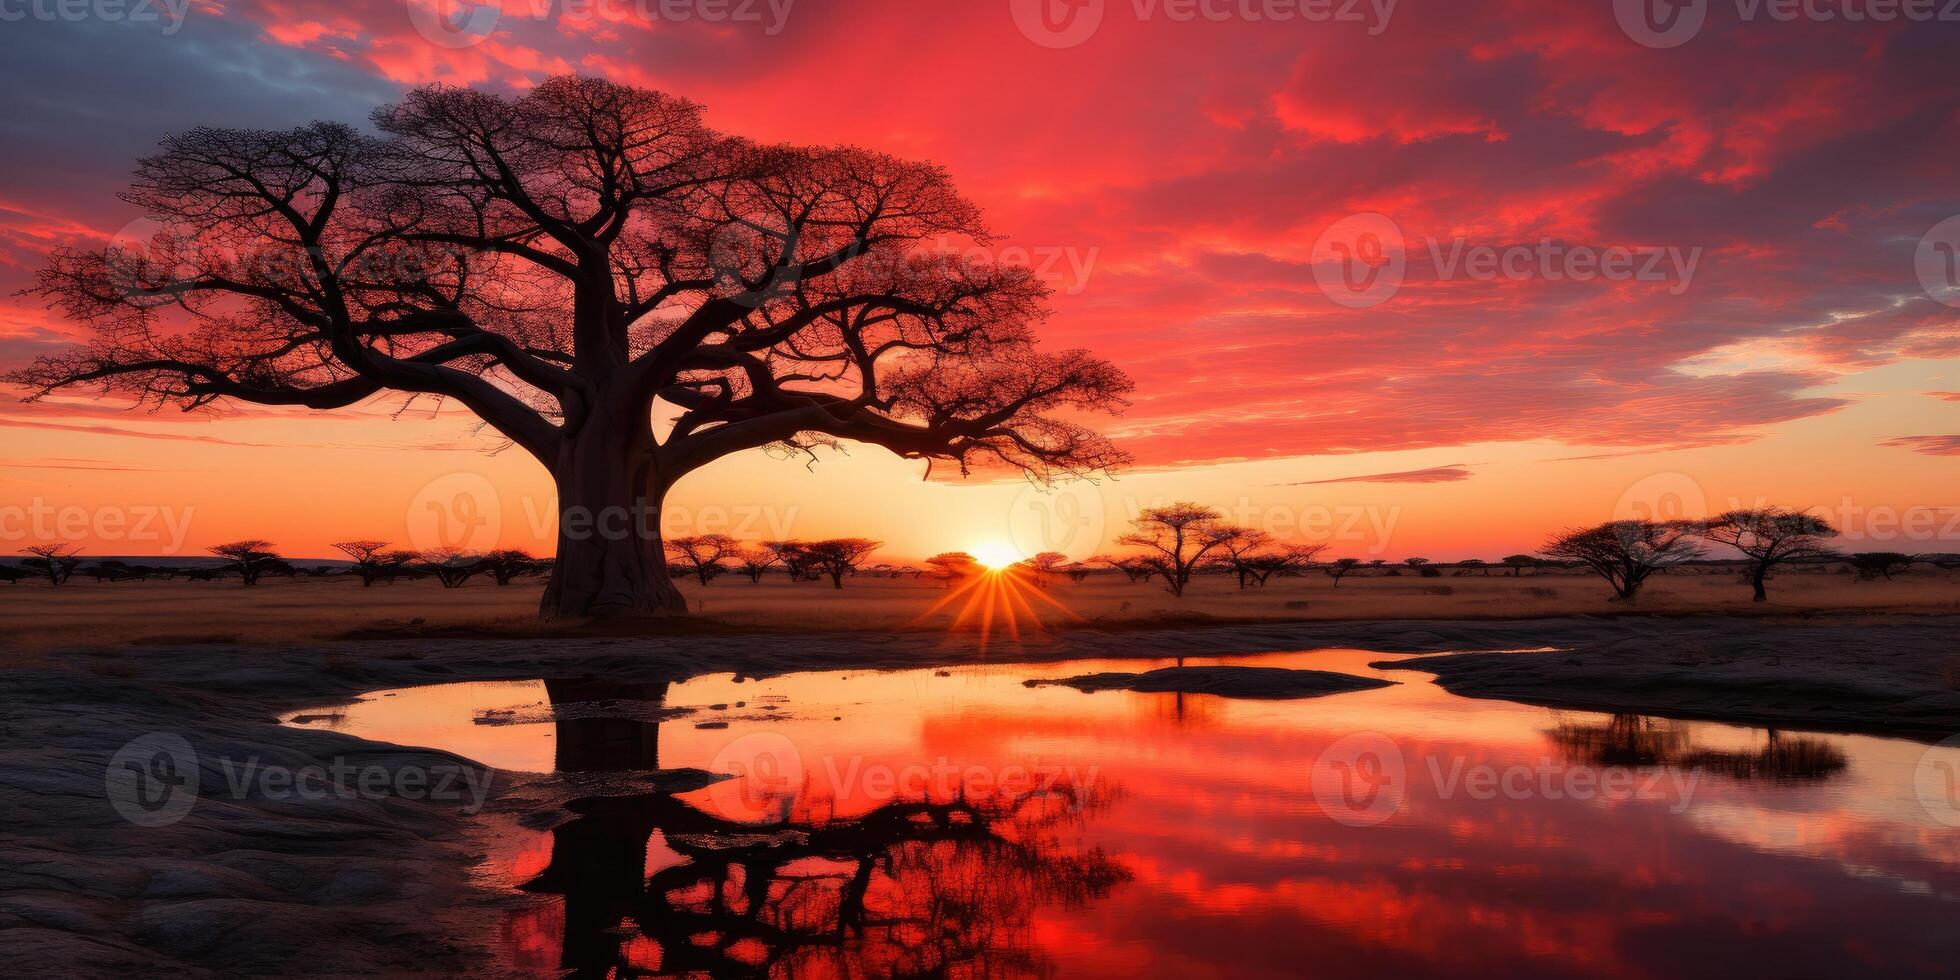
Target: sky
1605,269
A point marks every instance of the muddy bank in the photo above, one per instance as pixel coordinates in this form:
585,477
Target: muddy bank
1261,683
260,883
1887,679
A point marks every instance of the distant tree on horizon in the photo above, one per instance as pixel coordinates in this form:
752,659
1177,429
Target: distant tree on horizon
1518,563
56,561
754,562
838,557
1044,565
251,558
367,558
702,554
1626,553
951,566
1872,565
1340,567
1176,540
1771,536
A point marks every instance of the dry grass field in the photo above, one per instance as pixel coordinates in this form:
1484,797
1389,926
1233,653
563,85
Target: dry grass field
37,616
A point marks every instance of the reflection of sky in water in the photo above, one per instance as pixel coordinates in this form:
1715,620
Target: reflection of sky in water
1232,856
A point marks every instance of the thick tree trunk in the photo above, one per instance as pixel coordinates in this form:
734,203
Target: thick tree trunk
610,558
1762,594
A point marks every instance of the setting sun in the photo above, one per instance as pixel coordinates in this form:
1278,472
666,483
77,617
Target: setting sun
996,555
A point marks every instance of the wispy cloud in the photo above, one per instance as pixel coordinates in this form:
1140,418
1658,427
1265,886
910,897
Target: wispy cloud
1929,445
1434,474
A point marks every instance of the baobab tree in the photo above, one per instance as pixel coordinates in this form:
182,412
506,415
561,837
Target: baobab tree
1177,539
569,264
1771,536
1625,553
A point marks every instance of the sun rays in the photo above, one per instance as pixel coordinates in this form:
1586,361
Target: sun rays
1002,595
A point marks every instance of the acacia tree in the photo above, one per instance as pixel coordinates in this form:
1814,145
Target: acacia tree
702,554
367,557
1870,565
1176,540
1236,553
250,558
1625,553
1771,536
56,561
506,564
753,562
1042,566
838,557
1290,560
951,566
1340,567
559,261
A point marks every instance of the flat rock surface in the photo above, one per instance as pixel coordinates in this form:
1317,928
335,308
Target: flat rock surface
1272,683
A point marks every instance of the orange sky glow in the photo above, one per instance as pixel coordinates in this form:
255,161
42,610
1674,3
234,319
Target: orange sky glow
1175,184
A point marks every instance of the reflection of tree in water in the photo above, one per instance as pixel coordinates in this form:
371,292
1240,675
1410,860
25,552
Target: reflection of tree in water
913,887
1636,740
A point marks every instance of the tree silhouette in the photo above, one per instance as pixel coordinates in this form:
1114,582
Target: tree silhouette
251,558
951,566
1769,537
1045,565
1518,563
1625,553
702,554
918,886
1176,540
1339,568
1236,552
838,557
56,561
753,562
368,558
559,261
1871,565
506,564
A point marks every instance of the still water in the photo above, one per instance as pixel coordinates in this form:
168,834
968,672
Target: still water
959,822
